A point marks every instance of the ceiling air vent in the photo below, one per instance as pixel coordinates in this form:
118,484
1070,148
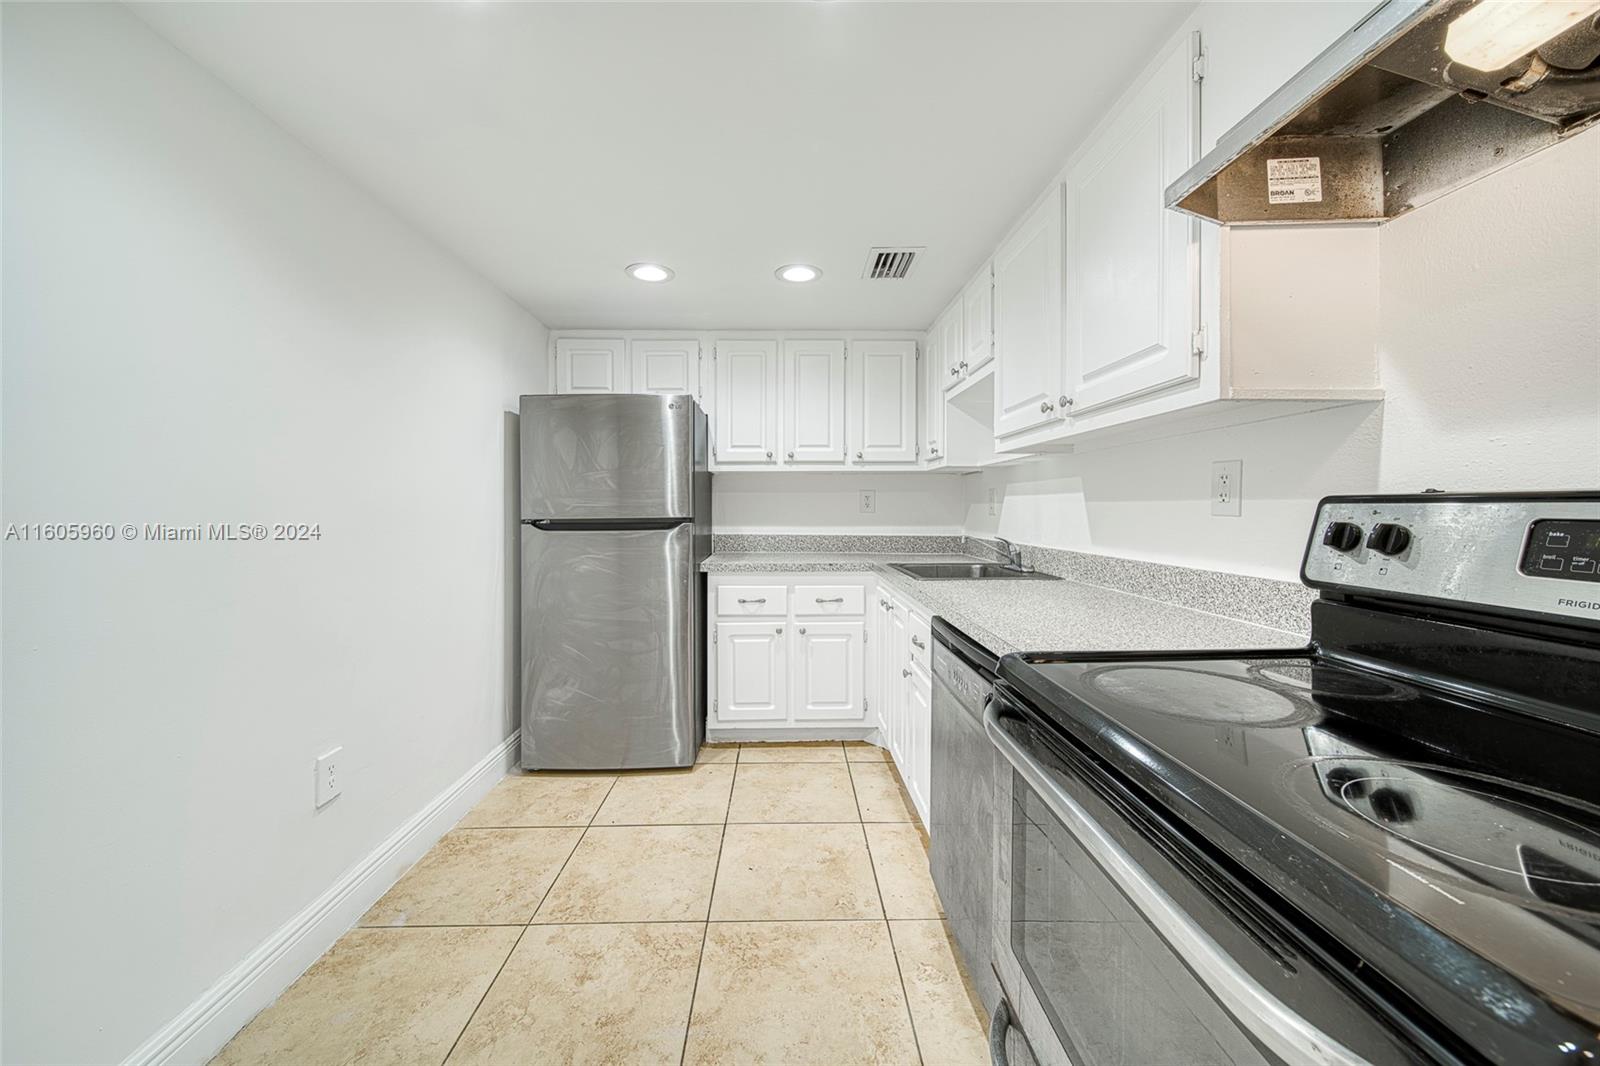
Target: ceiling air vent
890,262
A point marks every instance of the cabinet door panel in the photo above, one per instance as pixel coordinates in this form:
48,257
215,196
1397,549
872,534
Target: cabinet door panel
814,401
751,681
1027,322
933,415
897,649
666,366
919,743
883,401
585,364
828,672
747,402
977,325
1132,291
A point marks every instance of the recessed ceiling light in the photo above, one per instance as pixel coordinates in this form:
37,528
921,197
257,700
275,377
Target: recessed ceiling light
798,273
649,272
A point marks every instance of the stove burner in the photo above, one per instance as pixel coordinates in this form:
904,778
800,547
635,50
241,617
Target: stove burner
1491,831
1187,692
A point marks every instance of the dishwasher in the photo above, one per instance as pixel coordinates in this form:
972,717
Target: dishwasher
961,800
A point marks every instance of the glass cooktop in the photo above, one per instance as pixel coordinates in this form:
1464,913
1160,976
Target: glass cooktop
1390,812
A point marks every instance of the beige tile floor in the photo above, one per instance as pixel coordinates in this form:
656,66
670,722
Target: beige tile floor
770,905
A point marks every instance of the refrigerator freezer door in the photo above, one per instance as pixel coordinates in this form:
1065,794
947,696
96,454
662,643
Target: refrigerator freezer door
595,457
611,670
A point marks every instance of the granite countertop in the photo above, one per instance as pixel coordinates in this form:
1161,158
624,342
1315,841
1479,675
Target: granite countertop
1010,616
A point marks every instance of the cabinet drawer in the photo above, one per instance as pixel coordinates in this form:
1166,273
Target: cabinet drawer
828,599
921,638
758,600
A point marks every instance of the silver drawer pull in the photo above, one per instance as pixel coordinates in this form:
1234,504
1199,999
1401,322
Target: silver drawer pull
904,672
917,643
761,600
835,599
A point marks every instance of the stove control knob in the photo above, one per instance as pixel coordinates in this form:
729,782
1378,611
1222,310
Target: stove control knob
1342,536
1390,538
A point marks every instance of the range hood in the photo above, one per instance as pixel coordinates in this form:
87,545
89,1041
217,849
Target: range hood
1385,120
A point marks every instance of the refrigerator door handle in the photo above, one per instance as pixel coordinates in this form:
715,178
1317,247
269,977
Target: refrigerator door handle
592,525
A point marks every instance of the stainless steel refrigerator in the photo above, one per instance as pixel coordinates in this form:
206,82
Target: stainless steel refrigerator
616,519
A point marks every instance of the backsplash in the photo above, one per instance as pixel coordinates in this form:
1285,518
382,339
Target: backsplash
911,544
1263,600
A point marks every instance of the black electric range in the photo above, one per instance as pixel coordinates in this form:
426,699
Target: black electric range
1409,807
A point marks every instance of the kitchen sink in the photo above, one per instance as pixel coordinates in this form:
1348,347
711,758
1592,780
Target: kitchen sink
968,572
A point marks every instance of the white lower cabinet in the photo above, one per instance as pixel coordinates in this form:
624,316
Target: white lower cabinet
918,765
750,671
904,691
801,667
829,677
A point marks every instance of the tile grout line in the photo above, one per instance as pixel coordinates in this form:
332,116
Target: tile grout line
705,929
888,930
911,1019
529,923
479,1005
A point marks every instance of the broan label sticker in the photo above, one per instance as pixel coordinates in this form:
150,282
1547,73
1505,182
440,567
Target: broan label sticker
1294,181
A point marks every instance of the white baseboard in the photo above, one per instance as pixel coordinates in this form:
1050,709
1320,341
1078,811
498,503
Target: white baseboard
201,1030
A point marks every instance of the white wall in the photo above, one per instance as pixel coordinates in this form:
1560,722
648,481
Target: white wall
926,503
1489,352
203,322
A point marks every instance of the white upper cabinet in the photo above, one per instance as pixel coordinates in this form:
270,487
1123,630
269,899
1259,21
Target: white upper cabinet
1131,265
952,341
883,402
747,402
814,407
977,321
587,364
933,409
1027,322
828,674
666,366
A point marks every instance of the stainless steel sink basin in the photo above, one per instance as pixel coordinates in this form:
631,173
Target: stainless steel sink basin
968,572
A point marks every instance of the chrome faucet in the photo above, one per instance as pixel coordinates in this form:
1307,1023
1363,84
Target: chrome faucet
1013,554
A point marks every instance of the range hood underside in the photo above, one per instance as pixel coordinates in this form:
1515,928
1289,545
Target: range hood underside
1393,123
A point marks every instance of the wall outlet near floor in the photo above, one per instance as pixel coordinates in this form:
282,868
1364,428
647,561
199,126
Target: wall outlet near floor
994,502
869,501
1227,486
329,781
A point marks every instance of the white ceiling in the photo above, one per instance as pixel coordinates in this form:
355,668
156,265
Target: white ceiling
550,145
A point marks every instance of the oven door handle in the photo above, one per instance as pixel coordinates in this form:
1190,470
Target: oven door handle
1269,1020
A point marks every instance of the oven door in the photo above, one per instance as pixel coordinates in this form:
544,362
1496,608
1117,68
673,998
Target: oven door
1117,941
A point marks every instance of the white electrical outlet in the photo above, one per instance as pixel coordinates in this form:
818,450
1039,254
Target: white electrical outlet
869,501
329,781
994,502
1227,486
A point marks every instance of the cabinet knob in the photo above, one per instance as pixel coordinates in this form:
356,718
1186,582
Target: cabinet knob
802,631
962,364
769,455
1045,407
904,672
858,457
791,455
1066,401
955,370
780,631
915,643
